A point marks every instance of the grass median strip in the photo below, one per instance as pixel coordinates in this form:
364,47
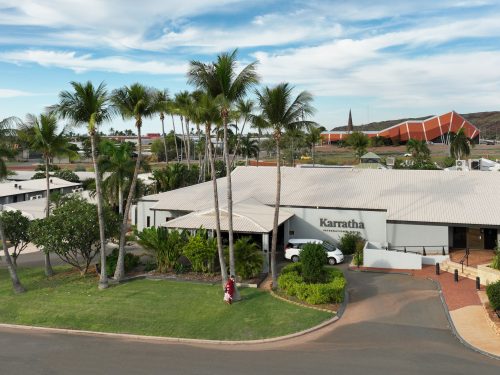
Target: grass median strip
148,307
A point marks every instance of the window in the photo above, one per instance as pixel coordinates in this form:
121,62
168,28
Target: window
148,221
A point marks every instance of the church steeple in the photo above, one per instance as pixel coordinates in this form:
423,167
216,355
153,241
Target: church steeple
349,123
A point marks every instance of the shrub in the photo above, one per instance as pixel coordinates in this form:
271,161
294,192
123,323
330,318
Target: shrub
358,255
313,258
348,242
292,267
166,247
80,168
131,261
201,251
493,292
496,260
248,258
67,175
292,284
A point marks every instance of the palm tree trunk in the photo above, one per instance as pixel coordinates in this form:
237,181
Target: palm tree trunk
48,266
120,199
188,144
120,264
258,152
274,241
183,138
103,277
16,284
220,250
162,118
232,268
175,139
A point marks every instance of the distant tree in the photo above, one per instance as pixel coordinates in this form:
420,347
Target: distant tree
359,142
72,232
312,138
249,147
460,145
16,228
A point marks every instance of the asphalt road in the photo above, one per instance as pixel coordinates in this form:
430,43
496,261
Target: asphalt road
393,324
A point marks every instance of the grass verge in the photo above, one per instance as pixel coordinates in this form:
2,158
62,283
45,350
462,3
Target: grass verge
147,307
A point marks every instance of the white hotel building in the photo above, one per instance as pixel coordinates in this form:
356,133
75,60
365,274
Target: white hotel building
435,210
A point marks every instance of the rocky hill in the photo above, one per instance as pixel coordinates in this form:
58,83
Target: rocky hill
487,122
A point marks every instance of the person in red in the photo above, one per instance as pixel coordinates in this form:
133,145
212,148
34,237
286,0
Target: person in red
229,290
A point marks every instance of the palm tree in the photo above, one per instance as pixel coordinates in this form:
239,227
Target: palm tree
5,131
50,143
208,113
249,148
418,149
117,160
312,138
244,109
135,101
163,103
280,112
221,81
183,103
460,145
359,142
89,106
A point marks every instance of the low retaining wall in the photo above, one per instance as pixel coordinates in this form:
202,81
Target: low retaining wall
391,259
487,274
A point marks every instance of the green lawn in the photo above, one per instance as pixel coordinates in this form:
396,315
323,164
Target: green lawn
147,307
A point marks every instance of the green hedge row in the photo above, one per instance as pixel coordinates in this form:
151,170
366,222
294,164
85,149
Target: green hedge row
493,292
292,284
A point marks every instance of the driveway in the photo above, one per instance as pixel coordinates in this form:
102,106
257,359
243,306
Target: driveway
394,324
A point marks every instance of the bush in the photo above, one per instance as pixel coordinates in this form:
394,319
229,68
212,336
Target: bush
348,242
201,252
248,258
313,258
292,284
292,267
493,292
131,261
496,260
358,255
80,168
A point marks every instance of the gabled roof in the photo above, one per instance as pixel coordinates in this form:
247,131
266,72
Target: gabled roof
370,155
249,216
406,195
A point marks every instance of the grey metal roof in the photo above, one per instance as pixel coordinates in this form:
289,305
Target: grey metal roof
13,188
248,216
407,195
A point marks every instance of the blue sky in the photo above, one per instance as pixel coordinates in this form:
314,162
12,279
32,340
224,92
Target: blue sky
383,59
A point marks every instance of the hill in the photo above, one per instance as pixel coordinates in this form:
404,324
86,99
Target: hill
487,122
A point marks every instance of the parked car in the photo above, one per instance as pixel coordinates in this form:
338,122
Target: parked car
295,245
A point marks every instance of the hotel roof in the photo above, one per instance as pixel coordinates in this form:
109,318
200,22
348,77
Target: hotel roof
407,195
32,186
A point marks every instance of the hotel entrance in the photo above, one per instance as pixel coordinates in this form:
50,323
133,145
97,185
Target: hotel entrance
474,238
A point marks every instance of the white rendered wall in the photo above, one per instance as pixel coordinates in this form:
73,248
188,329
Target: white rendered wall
307,223
431,236
379,258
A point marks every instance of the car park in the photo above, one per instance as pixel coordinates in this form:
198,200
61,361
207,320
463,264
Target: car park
295,245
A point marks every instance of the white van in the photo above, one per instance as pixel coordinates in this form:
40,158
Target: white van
295,245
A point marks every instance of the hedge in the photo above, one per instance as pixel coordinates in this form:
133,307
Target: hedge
292,284
493,292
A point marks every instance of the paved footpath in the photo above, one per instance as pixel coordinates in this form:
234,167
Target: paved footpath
393,324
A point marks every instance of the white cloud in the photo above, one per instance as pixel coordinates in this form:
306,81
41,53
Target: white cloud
9,93
81,63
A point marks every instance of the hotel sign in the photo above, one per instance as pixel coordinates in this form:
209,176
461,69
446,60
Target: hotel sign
340,225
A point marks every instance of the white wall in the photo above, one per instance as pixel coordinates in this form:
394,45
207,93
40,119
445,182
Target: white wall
378,258
307,223
431,236
144,209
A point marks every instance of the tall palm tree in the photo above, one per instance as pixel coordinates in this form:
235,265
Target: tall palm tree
51,143
244,109
163,103
117,160
172,110
221,81
279,111
208,113
5,131
183,103
137,102
89,106
249,148
312,138
460,145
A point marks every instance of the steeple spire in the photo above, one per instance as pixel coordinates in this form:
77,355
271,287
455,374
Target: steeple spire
349,123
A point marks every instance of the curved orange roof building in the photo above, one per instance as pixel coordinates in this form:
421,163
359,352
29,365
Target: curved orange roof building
435,129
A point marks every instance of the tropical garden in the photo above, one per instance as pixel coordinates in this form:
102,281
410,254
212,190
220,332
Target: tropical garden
209,138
